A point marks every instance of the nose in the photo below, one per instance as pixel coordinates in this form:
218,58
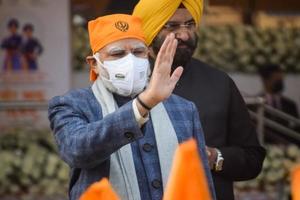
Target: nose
182,34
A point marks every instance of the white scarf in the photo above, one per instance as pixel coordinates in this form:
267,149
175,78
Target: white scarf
122,174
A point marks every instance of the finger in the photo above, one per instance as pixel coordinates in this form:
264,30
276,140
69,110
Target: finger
166,57
207,151
161,54
176,75
173,49
170,44
169,56
163,47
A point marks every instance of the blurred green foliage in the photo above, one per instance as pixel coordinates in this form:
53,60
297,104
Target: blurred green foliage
246,48
80,47
30,167
274,178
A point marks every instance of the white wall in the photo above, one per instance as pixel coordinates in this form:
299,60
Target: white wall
80,79
251,85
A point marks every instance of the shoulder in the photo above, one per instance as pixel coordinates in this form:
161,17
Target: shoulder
210,75
175,102
288,101
199,66
76,96
76,93
18,38
75,102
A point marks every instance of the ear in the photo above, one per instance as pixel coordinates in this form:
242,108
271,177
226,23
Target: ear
91,61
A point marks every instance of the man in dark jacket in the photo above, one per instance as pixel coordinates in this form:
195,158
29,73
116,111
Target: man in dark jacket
233,148
273,82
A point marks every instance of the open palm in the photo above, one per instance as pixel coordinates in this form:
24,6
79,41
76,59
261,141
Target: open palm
162,82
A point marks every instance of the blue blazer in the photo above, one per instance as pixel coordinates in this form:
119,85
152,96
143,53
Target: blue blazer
86,140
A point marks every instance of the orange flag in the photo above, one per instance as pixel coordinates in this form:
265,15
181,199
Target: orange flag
101,190
187,178
295,183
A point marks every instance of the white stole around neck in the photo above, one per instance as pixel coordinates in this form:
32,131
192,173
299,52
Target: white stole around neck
122,174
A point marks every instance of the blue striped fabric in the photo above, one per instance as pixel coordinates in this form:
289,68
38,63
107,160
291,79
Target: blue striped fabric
86,140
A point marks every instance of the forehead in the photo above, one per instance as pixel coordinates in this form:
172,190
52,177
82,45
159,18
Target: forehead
123,44
181,15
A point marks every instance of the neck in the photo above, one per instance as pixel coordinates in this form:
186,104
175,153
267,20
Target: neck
121,100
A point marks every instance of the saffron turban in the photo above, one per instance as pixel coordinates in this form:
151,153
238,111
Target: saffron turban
155,13
110,28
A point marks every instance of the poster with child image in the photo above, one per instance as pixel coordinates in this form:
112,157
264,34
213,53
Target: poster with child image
34,57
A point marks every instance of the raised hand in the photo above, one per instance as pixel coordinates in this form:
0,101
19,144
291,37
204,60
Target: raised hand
162,82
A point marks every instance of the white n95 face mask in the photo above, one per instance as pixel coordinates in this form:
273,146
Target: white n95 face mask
127,76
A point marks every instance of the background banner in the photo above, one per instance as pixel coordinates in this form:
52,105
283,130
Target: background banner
34,57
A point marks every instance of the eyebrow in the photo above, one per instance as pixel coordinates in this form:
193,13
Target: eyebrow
115,49
190,20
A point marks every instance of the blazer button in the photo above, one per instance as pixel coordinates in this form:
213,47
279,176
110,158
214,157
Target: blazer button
156,183
147,147
129,135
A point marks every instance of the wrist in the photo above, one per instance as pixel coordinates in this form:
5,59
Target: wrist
147,99
218,166
212,156
144,105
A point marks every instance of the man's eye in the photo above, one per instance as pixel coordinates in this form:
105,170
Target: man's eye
139,52
173,26
190,24
118,54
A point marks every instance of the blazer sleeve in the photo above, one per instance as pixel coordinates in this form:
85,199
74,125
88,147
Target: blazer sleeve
243,156
84,144
199,136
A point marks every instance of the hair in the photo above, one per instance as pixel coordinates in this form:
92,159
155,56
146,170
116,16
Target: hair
266,71
13,22
97,54
181,6
28,27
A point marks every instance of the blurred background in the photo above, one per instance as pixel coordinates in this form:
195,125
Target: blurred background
236,36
